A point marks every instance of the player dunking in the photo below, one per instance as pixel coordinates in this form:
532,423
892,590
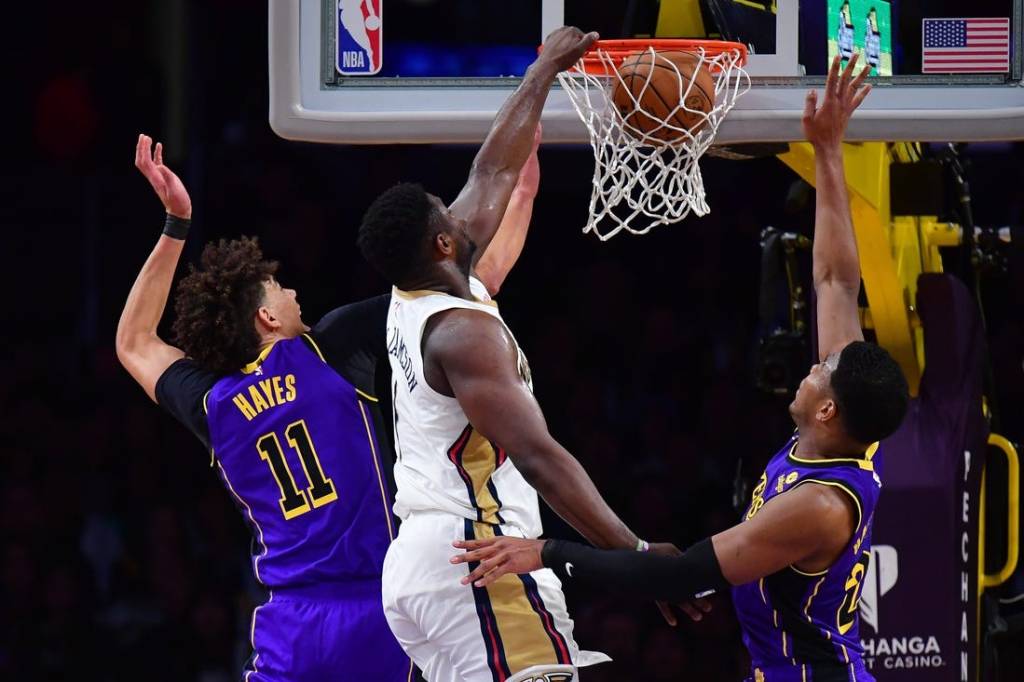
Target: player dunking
291,420
797,561
473,448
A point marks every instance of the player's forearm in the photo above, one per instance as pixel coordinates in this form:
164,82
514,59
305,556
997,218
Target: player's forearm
148,296
835,246
567,488
496,167
510,140
639,574
507,245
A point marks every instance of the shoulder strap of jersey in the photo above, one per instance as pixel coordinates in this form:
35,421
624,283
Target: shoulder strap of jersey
312,345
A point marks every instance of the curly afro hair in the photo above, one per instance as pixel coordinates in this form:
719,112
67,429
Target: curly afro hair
216,303
871,392
394,230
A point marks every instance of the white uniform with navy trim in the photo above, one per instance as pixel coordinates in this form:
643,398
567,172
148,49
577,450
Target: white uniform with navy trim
452,484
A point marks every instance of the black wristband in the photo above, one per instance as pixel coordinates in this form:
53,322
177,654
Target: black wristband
176,228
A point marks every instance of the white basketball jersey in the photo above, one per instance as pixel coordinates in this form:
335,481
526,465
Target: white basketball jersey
443,463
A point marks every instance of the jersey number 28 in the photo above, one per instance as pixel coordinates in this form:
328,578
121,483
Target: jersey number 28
847,614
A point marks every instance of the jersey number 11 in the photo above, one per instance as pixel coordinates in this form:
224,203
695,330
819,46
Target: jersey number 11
293,501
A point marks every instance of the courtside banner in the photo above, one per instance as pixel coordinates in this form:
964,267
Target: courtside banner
360,25
919,600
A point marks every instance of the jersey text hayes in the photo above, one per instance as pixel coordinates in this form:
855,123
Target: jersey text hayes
265,394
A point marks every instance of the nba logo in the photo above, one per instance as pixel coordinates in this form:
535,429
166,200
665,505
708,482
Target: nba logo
359,30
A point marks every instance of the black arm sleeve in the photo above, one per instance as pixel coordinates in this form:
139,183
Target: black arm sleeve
180,391
638,574
352,339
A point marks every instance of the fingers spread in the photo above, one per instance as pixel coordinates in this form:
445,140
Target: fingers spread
844,79
861,77
861,94
159,154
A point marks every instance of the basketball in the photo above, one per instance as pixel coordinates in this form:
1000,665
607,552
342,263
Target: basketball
651,95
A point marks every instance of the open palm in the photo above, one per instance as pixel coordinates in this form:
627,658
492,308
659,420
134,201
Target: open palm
165,183
826,125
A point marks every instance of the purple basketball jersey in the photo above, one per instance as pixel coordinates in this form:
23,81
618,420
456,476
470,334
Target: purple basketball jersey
804,626
295,445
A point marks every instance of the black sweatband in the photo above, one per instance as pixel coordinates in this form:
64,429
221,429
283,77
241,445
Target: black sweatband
175,227
639,574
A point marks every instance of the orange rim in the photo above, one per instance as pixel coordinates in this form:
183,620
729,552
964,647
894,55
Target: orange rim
620,50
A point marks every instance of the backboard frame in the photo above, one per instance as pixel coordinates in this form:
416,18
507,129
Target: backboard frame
423,111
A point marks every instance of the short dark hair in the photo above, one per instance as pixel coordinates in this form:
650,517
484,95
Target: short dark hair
871,392
217,301
394,230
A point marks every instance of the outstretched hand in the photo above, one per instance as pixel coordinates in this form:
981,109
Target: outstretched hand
825,126
164,182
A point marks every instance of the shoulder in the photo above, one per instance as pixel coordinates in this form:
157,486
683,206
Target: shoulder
459,329
827,504
181,390
183,379
367,308
467,343
350,319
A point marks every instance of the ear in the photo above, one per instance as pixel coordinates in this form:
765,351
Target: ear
826,411
444,244
266,321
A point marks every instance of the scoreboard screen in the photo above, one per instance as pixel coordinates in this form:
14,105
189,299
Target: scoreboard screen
864,27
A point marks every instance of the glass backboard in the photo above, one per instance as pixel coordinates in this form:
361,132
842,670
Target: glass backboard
422,71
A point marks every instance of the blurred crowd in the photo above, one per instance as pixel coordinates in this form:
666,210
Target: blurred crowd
121,556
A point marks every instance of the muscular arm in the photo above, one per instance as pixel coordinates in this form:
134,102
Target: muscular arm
494,171
470,355
836,262
796,528
507,245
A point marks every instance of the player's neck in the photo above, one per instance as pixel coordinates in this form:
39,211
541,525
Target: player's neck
270,338
446,278
823,446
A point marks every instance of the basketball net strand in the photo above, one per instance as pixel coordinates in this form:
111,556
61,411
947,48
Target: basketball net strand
640,179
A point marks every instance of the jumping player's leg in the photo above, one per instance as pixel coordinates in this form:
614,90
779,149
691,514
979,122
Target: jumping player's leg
306,638
519,624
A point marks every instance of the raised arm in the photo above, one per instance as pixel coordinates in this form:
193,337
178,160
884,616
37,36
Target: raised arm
506,246
470,355
496,167
836,263
144,354
798,528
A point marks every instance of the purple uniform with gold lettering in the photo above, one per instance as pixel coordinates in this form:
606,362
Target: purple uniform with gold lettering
295,442
803,627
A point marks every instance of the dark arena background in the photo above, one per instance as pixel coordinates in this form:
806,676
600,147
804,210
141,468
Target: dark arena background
121,556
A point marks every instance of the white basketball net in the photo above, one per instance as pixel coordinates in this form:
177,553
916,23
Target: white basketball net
640,180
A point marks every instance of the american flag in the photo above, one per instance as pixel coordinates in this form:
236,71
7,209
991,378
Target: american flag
966,45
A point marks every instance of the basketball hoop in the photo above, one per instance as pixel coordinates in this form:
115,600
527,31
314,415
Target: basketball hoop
645,177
